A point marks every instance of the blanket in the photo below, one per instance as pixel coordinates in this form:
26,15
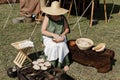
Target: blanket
102,61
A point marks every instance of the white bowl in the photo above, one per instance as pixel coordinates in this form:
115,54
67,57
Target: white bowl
84,43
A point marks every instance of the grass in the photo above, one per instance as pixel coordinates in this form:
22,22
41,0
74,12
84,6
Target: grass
101,32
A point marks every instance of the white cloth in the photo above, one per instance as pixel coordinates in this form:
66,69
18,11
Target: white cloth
54,50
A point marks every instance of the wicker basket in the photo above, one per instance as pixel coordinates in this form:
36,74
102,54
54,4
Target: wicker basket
23,44
84,43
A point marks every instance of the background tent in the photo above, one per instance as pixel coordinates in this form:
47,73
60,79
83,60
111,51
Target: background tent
8,1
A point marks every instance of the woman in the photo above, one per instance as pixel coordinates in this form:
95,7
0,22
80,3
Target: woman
54,30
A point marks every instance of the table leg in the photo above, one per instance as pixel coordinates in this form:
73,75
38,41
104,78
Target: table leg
25,52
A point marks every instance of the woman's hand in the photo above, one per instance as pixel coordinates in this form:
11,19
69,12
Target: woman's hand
58,38
62,35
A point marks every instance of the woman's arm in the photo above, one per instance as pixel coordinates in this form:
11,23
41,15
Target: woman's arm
66,27
44,29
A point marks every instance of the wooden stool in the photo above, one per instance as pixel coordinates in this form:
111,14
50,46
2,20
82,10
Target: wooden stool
23,47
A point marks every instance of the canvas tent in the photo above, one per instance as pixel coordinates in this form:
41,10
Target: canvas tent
29,7
8,1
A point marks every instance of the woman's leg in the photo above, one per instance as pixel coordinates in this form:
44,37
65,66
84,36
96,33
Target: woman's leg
66,63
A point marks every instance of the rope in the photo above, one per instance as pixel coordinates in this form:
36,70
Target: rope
9,3
82,15
77,18
32,32
7,19
8,14
6,65
30,37
36,23
111,10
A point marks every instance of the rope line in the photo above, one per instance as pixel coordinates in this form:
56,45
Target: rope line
77,18
111,10
9,3
32,32
30,37
82,15
36,23
8,14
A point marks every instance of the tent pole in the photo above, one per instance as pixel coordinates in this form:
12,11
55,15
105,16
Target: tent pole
105,11
71,3
92,12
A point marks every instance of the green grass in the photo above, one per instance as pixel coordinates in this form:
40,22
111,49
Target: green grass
102,32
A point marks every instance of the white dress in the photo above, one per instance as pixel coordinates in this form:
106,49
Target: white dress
54,50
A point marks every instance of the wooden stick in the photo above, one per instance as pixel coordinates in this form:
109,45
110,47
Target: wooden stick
92,12
83,5
71,3
105,11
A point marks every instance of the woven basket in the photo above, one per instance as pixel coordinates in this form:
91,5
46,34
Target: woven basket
23,44
84,43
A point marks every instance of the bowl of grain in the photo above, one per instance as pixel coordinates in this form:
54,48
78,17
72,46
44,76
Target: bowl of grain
84,43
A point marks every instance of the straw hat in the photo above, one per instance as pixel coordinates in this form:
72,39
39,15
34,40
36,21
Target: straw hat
54,9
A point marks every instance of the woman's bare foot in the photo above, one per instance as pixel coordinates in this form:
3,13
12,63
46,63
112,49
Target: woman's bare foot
66,68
